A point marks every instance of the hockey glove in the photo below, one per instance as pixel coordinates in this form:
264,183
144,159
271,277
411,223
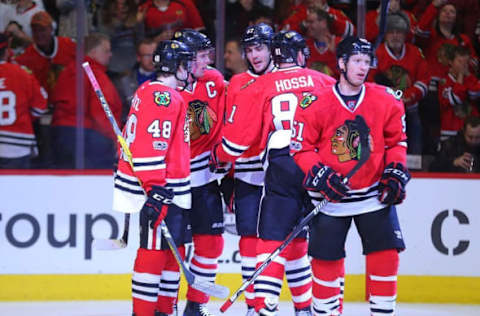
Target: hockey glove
325,180
155,208
391,189
214,164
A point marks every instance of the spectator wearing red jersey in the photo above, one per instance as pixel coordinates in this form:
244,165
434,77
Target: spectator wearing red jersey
321,42
48,54
456,93
403,66
171,15
22,100
99,137
372,20
341,24
437,34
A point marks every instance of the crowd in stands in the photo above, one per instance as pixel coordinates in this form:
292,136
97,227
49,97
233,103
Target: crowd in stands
430,52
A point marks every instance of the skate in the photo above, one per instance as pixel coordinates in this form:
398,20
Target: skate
196,309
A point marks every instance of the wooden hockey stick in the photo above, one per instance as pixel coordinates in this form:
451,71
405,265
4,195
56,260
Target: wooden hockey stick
364,153
208,288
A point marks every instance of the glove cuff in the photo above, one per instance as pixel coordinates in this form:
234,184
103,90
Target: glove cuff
161,194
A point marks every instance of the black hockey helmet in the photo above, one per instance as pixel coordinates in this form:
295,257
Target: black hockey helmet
353,45
286,45
169,55
194,39
257,34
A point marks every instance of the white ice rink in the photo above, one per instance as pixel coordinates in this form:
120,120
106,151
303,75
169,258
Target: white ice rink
123,308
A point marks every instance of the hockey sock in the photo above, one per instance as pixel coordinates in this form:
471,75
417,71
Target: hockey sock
247,247
382,269
204,264
299,274
145,279
327,276
269,283
169,283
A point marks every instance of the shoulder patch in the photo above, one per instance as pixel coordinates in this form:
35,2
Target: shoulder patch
162,98
397,94
307,100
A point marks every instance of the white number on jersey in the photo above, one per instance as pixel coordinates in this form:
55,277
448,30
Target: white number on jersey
8,115
165,131
230,118
283,110
297,130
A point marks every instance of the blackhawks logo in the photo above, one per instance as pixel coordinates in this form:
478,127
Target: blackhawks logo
346,141
162,98
307,100
201,118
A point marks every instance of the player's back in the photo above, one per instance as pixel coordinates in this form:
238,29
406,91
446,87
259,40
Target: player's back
22,98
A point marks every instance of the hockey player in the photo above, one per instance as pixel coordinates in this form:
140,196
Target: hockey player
326,147
156,132
278,94
205,98
22,101
248,172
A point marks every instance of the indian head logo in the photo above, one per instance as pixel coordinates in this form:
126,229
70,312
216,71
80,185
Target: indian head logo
201,118
346,140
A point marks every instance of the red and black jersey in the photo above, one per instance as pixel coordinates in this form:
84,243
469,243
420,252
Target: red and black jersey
455,99
157,134
372,21
325,135
179,14
322,58
408,73
64,100
206,110
22,100
48,68
269,105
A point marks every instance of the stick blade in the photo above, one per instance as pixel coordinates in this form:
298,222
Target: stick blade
109,244
212,289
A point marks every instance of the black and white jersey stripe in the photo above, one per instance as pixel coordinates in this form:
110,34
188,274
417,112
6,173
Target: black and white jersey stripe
233,149
149,163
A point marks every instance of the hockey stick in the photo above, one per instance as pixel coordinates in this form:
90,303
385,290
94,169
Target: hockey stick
383,22
208,288
114,244
364,154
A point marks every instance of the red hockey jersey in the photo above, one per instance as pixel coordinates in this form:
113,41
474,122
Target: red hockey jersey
157,134
179,14
243,169
408,73
47,68
206,110
324,135
454,101
323,59
269,106
21,100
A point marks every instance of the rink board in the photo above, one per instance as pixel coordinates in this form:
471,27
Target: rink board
47,223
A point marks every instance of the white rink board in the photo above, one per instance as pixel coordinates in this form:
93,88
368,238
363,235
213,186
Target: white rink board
48,220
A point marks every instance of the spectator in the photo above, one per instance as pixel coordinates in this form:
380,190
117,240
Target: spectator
234,61
239,15
341,24
456,92
460,153
21,14
99,137
171,16
48,54
405,68
118,19
143,70
321,42
22,100
372,20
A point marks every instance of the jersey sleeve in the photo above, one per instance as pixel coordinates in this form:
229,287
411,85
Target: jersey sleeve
243,124
38,96
394,133
303,149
